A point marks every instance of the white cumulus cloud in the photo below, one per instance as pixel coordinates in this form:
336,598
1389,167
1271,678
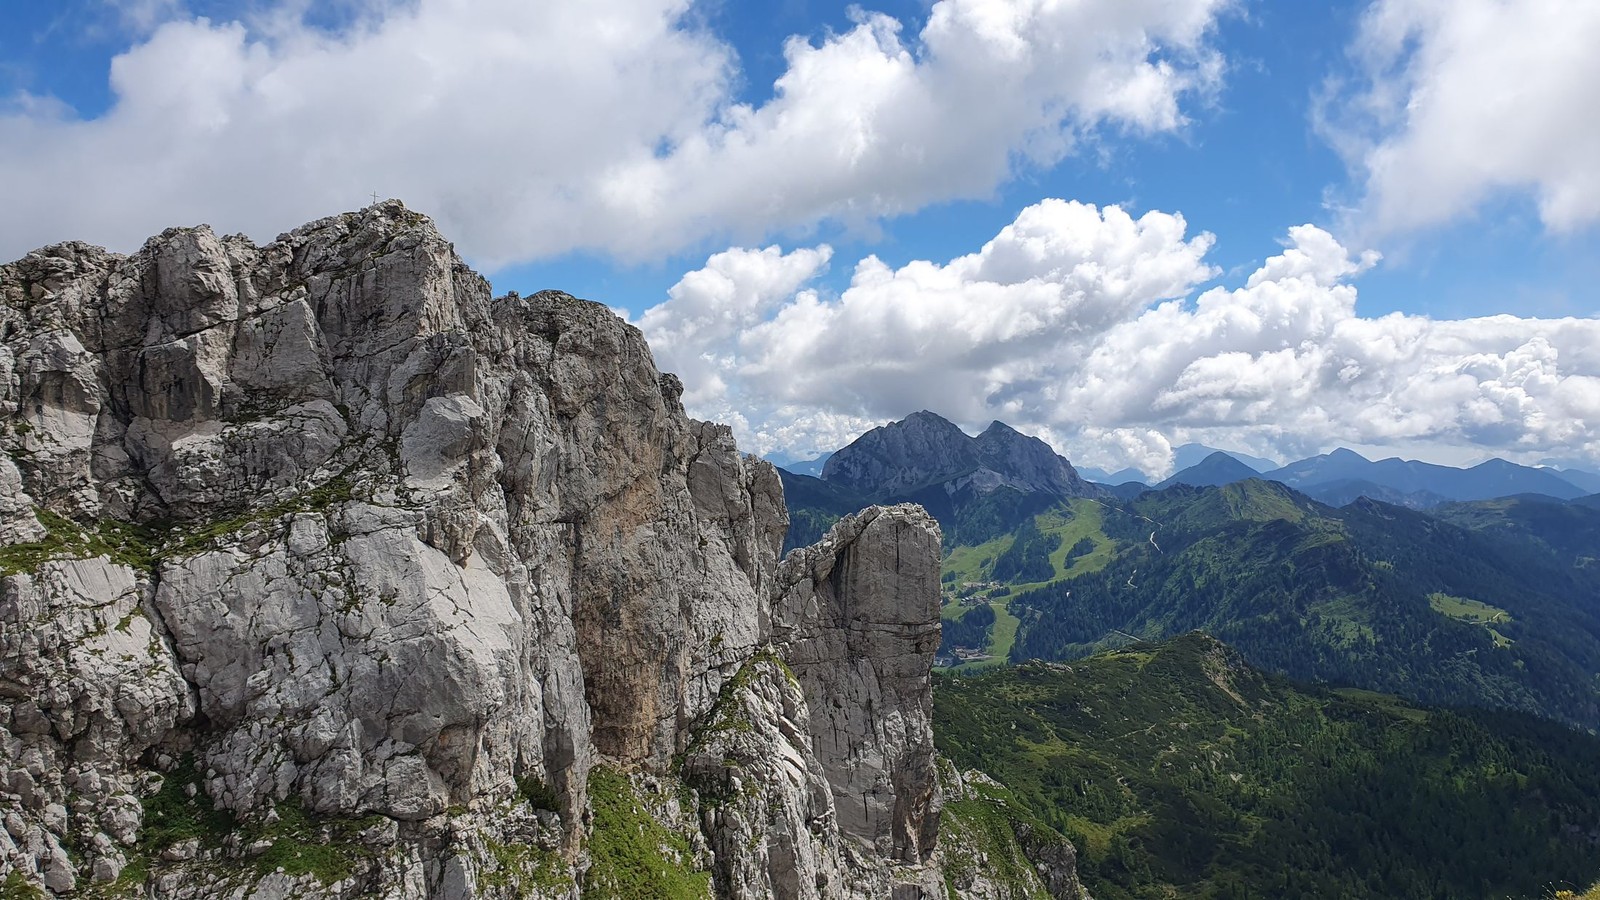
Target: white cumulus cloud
1460,100
1080,324
531,129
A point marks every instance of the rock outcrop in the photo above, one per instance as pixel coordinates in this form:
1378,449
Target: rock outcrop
326,574
858,620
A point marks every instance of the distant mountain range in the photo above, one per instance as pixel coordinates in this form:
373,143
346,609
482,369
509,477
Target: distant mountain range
1589,481
811,466
1342,476
1489,603
1482,593
1217,469
1179,769
1183,457
925,449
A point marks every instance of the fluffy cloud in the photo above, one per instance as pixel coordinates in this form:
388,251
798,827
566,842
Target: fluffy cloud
710,307
529,129
1078,324
1458,100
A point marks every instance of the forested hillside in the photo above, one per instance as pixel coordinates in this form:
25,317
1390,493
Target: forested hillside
1180,771
1369,595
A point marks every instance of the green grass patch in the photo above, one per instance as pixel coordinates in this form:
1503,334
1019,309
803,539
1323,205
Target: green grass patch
126,543
1473,612
16,887
141,546
974,563
172,814
1260,501
633,856
526,870
978,835
1465,610
191,539
1084,523
301,843
1389,703
306,844
1001,636
1071,523
1081,547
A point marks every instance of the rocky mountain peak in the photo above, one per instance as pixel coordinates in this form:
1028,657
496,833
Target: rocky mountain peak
1217,469
319,542
1029,462
898,458
925,450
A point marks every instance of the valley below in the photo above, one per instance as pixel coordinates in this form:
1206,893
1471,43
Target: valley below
1237,690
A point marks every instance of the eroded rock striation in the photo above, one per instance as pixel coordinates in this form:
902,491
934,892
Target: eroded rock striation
326,574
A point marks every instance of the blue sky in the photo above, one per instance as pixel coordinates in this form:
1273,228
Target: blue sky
640,153
1248,164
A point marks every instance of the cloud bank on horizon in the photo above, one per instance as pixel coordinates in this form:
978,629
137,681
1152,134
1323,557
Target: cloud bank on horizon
531,130
1073,323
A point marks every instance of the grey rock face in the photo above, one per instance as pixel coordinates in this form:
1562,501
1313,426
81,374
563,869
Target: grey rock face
815,766
767,807
1030,463
410,543
858,620
925,450
898,458
317,543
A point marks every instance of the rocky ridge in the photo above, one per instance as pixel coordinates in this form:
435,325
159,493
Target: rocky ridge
326,574
924,450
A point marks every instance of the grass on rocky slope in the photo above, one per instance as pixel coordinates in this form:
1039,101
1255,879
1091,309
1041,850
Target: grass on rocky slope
126,543
981,836
139,546
298,842
16,887
633,856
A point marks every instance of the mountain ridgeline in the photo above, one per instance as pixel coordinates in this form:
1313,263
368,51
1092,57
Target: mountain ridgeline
975,486
1490,601
1377,596
1342,476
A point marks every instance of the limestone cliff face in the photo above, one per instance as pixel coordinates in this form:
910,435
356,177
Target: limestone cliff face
858,618
317,543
